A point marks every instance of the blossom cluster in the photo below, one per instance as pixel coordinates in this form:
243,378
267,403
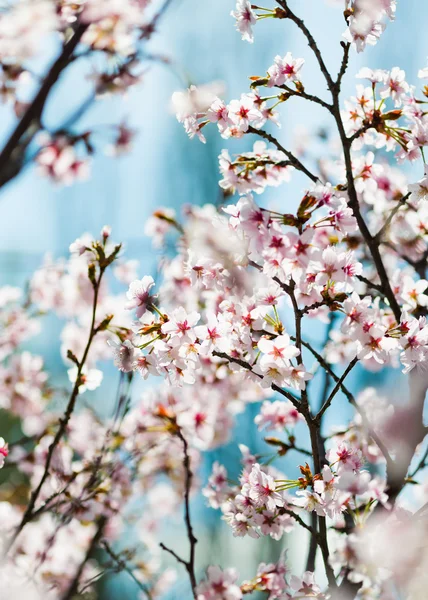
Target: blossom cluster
271,578
366,19
263,505
87,480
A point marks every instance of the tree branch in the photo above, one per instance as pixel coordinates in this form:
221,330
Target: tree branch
371,241
248,367
378,237
311,42
63,423
190,563
73,587
121,563
12,155
343,67
293,159
336,388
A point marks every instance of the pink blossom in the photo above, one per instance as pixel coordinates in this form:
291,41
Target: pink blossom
139,295
277,415
245,18
181,323
262,489
280,349
4,451
284,70
89,379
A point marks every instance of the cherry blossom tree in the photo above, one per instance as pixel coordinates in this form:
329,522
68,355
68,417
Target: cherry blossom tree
229,322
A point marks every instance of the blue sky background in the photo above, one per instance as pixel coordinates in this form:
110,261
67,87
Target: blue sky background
166,169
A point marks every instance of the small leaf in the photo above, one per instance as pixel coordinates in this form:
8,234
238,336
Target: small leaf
112,256
91,274
72,357
104,323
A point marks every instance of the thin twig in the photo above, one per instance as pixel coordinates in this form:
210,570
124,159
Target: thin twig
305,95
354,403
343,67
336,388
301,522
293,159
379,235
421,465
351,139
63,423
371,242
311,42
11,156
295,401
370,284
190,563
122,564
73,587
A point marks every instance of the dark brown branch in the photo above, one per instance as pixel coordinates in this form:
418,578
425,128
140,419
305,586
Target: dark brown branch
343,67
174,554
421,465
336,388
370,284
314,433
306,96
378,237
346,143
311,42
284,447
313,545
293,159
301,522
307,309
371,241
122,564
327,378
354,403
63,423
248,367
359,132
73,587
12,155
190,563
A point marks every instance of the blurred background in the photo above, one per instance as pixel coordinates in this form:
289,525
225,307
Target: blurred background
164,168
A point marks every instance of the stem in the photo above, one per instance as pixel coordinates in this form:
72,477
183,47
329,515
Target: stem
343,67
124,567
295,401
372,242
421,465
73,587
294,161
190,563
391,215
301,522
336,388
306,96
354,403
314,432
11,156
63,423
322,525
311,42
313,545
